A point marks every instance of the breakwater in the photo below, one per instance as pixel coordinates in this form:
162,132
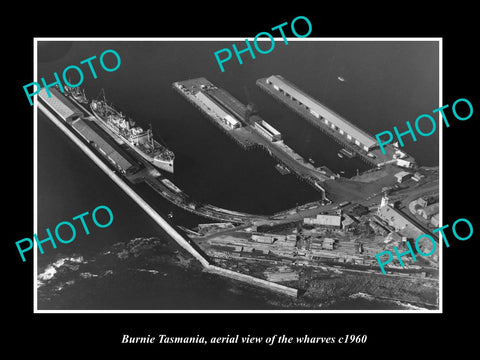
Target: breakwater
186,244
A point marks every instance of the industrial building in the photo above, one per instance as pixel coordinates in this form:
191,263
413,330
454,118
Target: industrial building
403,176
429,211
323,114
88,132
271,238
425,201
400,222
267,131
324,220
231,122
349,222
224,116
60,105
417,176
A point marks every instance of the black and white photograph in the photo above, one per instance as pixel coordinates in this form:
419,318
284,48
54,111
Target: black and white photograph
212,179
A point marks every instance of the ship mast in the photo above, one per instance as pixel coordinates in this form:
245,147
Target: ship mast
150,135
102,94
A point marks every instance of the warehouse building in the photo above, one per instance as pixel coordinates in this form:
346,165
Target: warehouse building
60,105
403,176
323,114
231,122
91,135
429,211
399,221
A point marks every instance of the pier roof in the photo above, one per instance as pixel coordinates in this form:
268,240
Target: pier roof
323,111
90,134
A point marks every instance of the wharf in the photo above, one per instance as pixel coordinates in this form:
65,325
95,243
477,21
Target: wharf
153,178
376,157
185,242
189,88
246,135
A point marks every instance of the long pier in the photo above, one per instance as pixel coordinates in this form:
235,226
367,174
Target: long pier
153,178
374,157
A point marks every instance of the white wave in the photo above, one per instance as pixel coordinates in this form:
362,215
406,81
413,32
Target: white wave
51,269
147,270
409,306
362,295
64,285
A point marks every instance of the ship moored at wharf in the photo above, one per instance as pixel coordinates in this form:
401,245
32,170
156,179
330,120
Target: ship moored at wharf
137,138
77,94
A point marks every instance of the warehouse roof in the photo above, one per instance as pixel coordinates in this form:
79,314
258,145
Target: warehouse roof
60,104
91,135
331,220
211,104
323,111
398,220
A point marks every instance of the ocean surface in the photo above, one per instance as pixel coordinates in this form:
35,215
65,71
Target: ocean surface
386,83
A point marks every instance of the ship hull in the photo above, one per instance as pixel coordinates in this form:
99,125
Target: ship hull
166,165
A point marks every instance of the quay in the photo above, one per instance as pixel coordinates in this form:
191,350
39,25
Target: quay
334,125
63,113
249,130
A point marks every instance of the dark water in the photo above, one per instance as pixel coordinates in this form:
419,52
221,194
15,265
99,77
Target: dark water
386,83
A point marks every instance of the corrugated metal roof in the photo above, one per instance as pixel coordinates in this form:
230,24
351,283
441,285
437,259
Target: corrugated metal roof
402,174
231,120
323,111
398,220
83,128
64,107
211,104
270,128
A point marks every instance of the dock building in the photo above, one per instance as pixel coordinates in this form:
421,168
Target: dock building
399,221
403,176
429,211
89,131
324,114
224,116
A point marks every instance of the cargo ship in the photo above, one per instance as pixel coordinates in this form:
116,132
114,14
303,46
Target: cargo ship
138,139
